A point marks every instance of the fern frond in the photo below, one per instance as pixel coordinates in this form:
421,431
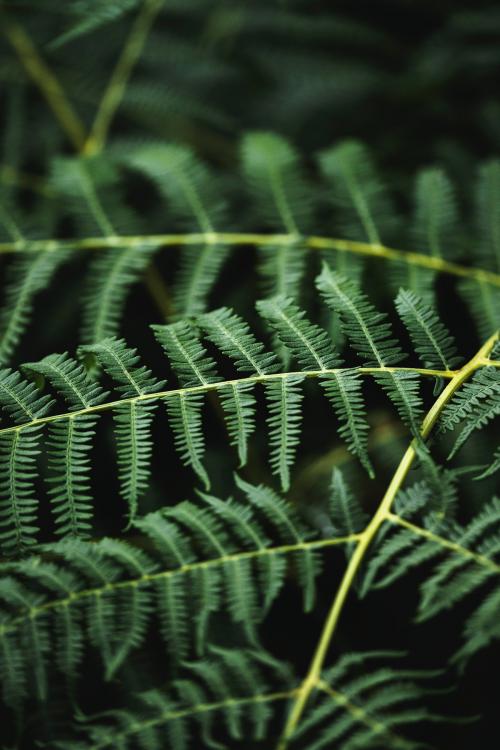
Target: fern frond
70,379
314,350
185,181
133,420
281,269
274,175
470,564
368,330
370,335
232,336
483,303
20,398
309,344
488,213
362,204
284,398
474,406
122,365
233,554
431,339
225,695
365,709
26,277
110,276
18,504
69,445
346,514
493,467
290,528
191,363
198,272
435,223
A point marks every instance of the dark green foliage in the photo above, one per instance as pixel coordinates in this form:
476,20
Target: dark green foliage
260,238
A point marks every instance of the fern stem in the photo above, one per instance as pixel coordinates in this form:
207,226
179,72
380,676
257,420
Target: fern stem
120,76
220,385
48,84
381,515
482,560
141,726
234,239
378,727
147,579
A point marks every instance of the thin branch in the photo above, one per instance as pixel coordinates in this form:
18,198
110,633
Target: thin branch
482,560
367,536
146,579
140,726
218,385
251,239
48,84
119,78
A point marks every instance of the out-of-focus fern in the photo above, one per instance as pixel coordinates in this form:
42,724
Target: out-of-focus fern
131,616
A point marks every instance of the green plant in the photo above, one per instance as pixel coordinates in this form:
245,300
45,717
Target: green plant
273,338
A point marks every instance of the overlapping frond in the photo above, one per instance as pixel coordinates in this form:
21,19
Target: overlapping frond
464,559
370,335
362,204
231,555
225,696
70,433
365,709
474,406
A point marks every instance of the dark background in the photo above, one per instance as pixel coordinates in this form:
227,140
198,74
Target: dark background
418,83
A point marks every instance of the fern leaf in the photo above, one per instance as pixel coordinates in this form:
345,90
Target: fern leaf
344,390
18,505
187,356
196,277
184,411
238,403
20,398
431,339
281,269
275,179
133,420
366,710
313,349
122,365
26,277
435,221
12,667
483,301
290,529
370,335
70,379
368,330
464,561
228,688
363,207
347,516
492,468
284,399
189,187
488,213
309,344
232,336
242,521
69,446
110,276
35,635
68,624
134,603
473,406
